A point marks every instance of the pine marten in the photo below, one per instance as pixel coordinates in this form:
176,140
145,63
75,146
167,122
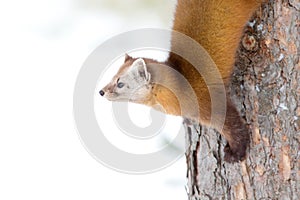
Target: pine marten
217,25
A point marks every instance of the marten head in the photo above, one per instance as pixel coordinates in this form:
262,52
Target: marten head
131,83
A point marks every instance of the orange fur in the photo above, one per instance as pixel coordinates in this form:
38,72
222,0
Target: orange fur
218,26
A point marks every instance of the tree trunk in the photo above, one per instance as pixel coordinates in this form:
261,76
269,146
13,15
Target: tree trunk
266,89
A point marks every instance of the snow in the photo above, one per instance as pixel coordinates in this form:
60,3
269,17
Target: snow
257,88
43,46
281,56
283,106
260,27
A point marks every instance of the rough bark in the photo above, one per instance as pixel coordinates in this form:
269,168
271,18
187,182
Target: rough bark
266,88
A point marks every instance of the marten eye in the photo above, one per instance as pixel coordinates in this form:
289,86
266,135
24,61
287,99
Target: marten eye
120,85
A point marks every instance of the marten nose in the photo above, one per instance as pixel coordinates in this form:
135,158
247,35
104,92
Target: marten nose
101,92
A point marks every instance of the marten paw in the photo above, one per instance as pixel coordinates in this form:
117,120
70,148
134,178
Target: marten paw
234,156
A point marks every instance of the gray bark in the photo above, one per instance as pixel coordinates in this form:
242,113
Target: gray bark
266,89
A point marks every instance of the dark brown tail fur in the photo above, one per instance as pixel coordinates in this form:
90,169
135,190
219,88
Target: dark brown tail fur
237,135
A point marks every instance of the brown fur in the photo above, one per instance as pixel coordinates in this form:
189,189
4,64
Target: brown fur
217,25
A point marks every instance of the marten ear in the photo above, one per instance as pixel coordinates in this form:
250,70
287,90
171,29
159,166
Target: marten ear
139,68
127,57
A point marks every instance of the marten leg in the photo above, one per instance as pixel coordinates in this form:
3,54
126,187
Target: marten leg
237,135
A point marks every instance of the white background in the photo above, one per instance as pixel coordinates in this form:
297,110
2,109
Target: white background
43,44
